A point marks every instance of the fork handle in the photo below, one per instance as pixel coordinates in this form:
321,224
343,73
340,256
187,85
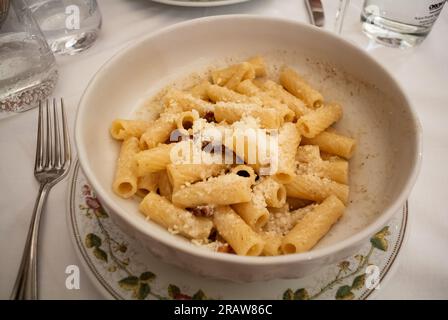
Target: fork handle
25,287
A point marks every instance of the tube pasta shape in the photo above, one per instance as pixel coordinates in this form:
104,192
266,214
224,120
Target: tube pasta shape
125,129
217,94
336,170
313,226
310,161
311,187
125,182
233,112
253,214
245,171
222,190
308,153
274,193
243,240
254,67
164,186
186,120
153,160
272,243
276,91
289,140
164,213
259,66
248,88
333,143
159,132
147,183
243,71
317,121
296,203
296,85
184,101
182,174
266,193
199,91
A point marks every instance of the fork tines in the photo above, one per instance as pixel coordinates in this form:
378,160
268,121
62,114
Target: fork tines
53,146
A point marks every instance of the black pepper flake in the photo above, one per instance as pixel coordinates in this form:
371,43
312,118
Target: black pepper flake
210,116
202,211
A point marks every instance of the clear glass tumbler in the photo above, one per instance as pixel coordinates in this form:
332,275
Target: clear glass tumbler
400,23
27,66
70,26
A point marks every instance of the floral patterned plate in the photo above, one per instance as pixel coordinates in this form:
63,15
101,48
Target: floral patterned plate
122,269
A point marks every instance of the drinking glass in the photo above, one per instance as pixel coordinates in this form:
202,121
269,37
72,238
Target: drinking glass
27,65
400,23
70,26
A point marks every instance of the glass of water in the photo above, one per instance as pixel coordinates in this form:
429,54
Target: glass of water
27,65
70,26
400,23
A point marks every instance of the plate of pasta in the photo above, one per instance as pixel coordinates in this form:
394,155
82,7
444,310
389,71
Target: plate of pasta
261,158
192,179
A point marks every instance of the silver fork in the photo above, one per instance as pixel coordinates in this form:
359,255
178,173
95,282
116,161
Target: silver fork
53,159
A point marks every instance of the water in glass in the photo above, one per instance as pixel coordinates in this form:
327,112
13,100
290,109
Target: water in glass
400,23
70,26
27,66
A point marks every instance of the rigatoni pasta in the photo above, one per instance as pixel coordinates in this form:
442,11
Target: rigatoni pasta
158,132
124,129
333,143
288,142
313,226
276,91
182,174
165,188
125,182
317,121
248,88
153,160
231,189
272,243
186,120
274,193
239,161
147,183
237,233
180,221
296,85
312,187
180,101
233,112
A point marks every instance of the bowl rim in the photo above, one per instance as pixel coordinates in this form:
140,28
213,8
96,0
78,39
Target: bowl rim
190,249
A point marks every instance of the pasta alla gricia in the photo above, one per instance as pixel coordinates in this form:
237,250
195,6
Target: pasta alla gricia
240,162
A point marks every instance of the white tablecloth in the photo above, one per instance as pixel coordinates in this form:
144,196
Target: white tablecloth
423,72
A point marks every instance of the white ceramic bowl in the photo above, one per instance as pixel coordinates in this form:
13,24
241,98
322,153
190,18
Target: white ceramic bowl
376,112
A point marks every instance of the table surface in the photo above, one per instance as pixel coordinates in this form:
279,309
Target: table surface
423,73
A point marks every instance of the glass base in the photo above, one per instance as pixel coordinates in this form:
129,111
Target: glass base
28,97
73,44
392,33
